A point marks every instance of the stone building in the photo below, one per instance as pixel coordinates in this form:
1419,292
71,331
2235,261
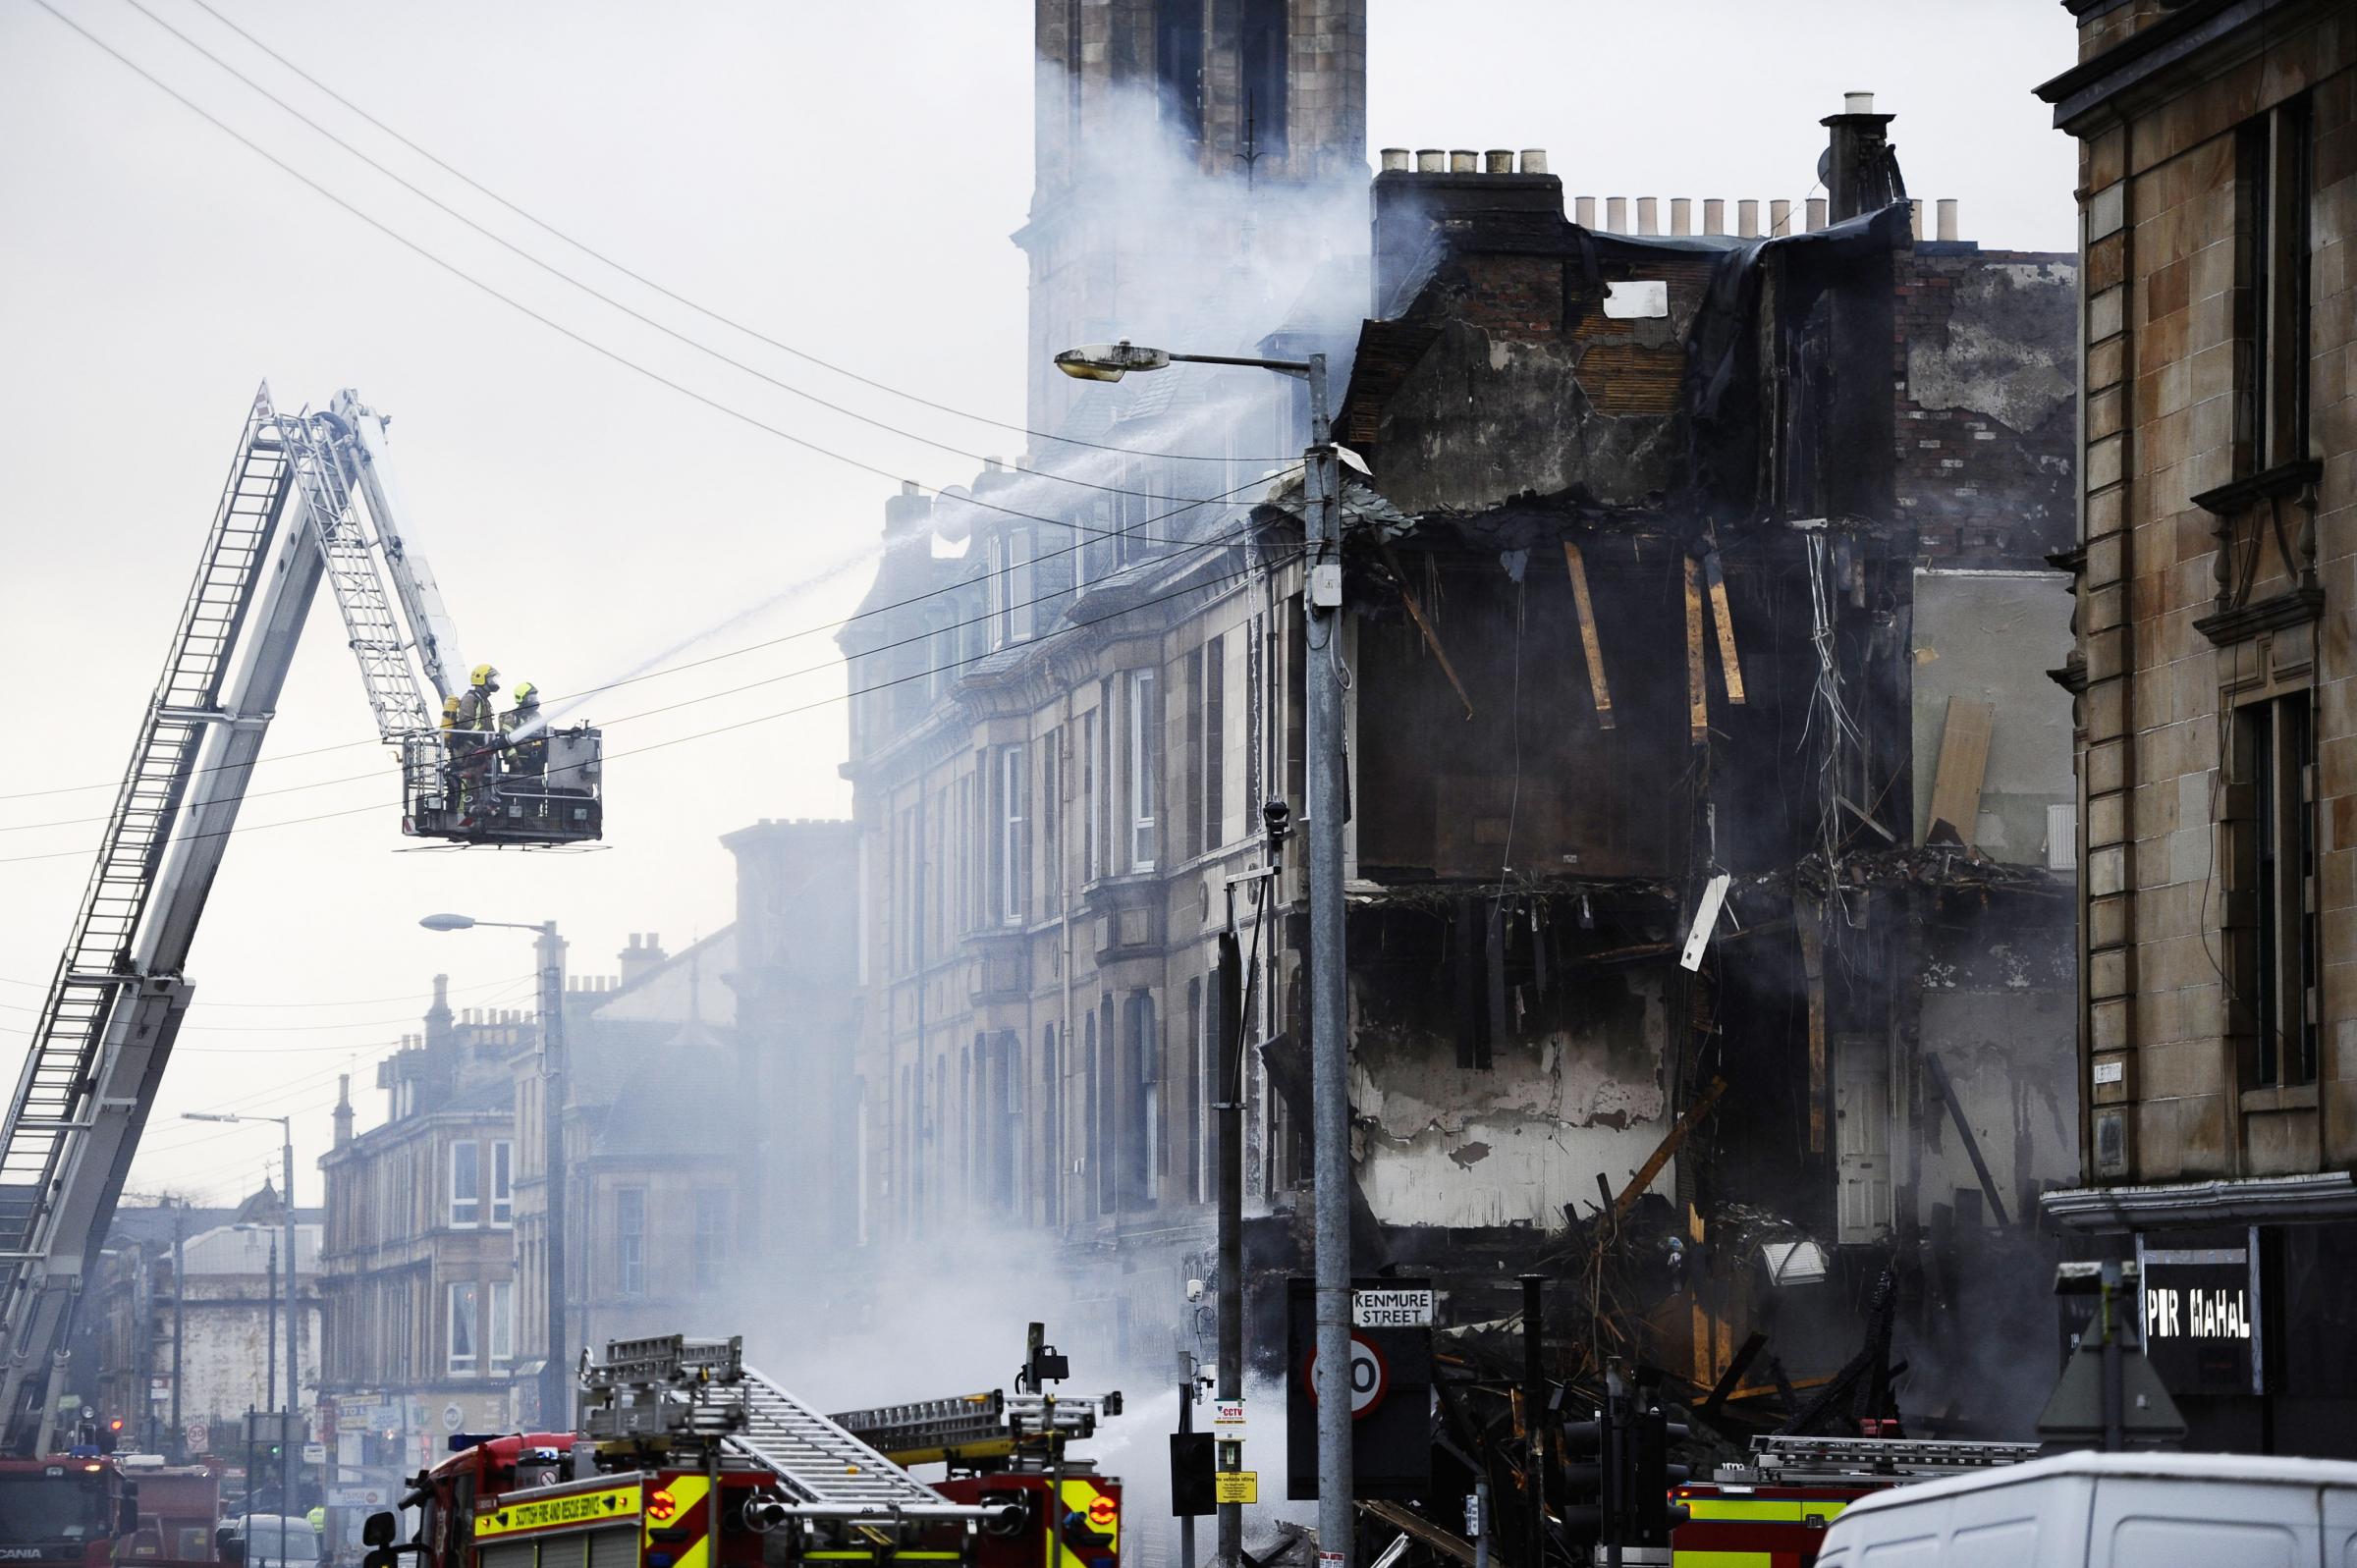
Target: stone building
1828,462
418,1268
2216,736
189,1300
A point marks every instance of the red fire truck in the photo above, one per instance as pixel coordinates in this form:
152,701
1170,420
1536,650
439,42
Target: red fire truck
1772,1512
687,1458
63,1512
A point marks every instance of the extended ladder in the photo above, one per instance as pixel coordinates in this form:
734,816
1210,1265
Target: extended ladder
113,1009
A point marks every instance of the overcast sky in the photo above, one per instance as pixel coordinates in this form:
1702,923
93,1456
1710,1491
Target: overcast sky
842,175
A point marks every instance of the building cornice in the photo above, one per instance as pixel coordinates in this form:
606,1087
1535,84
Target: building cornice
2310,1199
2156,52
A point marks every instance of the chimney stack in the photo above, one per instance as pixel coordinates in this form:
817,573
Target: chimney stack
1863,174
642,956
342,1109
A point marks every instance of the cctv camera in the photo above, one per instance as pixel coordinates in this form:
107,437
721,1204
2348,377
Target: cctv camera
1194,1290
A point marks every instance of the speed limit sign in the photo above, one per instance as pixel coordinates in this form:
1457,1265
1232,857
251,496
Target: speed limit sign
1370,1377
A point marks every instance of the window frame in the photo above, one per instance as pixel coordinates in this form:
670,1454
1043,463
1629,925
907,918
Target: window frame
469,1362
630,1242
499,1334
502,1197
1014,834
465,1169
1141,688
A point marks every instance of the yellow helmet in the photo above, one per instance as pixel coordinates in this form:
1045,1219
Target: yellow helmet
527,693
484,674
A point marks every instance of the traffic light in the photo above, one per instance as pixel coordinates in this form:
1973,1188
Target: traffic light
1587,1467
1652,1478
1192,1491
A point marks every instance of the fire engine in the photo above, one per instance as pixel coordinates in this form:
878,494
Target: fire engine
63,1512
688,1458
1772,1512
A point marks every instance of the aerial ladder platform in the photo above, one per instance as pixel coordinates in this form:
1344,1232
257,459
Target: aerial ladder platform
309,498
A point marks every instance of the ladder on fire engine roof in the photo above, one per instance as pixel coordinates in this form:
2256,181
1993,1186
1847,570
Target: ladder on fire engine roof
114,1006
1795,1457
824,1468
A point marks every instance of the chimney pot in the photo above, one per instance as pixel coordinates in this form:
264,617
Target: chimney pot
1682,215
1780,217
1583,211
1648,216
1431,160
1857,103
1948,218
1747,218
1714,215
1394,160
1915,218
1463,161
1616,214
1498,160
1534,160
908,487
1816,214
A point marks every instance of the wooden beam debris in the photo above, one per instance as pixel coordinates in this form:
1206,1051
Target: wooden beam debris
1671,1143
1698,701
1416,612
1730,669
1589,640
1963,762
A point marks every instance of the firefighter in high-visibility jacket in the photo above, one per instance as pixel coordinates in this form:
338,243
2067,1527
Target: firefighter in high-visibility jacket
525,732
474,738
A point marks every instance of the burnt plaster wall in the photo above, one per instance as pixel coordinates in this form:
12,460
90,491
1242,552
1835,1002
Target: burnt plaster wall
1988,637
1985,422
1530,389
1573,1086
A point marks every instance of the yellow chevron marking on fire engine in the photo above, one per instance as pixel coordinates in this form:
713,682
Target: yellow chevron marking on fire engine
1104,1516
677,1509
574,1508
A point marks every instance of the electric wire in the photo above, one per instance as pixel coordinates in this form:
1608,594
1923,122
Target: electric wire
641,279
988,614
461,274
700,735
559,273
348,1002
1125,532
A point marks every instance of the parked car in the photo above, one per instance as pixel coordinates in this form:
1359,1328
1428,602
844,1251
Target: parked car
2091,1510
270,1541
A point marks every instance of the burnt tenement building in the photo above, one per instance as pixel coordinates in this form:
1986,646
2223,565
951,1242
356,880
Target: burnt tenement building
2217,741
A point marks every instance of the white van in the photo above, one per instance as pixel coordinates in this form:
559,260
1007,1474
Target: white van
2091,1510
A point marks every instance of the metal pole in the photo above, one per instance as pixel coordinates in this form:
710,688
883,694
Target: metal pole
1481,1522
1187,1425
1231,1131
1328,991
179,1325
2114,1420
289,1451
556,1405
1534,1413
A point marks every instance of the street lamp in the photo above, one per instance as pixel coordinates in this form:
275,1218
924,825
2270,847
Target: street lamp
288,1448
1329,1046
554,1396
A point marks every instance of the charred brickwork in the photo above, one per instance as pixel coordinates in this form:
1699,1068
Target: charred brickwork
1662,599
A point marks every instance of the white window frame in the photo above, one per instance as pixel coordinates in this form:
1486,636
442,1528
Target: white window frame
465,1210
463,1325
500,1326
1013,838
503,1184
630,1244
1144,764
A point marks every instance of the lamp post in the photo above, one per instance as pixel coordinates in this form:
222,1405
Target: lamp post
1328,997
555,1400
289,1450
